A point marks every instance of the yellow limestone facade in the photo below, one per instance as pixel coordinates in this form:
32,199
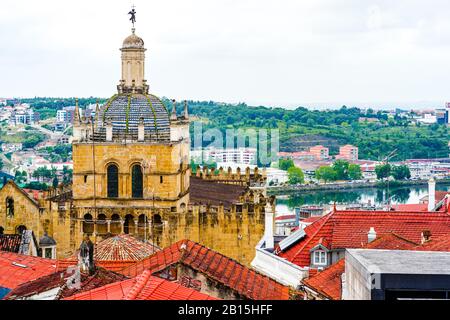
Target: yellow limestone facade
148,192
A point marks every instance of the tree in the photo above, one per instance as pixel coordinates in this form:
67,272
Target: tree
340,168
325,173
67,174
285,164
354,172
401,172
20,176
295,175
383,171
55,182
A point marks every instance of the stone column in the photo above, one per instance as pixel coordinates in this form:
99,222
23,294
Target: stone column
136,230
109,225
122,222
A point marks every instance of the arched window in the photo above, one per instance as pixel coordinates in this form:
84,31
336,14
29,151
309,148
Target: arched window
142,226
128,226
1,230
113,181
136,181
116,227
9,207
20,229
102,227
157,219
88,224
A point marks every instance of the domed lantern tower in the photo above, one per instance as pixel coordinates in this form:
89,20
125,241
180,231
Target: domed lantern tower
131,160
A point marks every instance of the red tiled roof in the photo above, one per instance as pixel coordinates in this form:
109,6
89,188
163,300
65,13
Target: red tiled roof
328,282
10,242
17,268
58,279
123,247
441,243
287,216
215,266
310,220
391,241
142,287
116,253
348,229
410,207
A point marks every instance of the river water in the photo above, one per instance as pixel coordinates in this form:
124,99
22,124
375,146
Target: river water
377,196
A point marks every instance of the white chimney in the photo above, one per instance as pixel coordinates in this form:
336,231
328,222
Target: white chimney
371,235
431,194
109,131
268,230
141,130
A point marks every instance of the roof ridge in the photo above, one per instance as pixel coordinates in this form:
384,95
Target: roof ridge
325,220
141,282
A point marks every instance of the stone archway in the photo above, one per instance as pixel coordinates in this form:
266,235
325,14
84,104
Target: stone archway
102,227
115,226
128,226
20,229
88,224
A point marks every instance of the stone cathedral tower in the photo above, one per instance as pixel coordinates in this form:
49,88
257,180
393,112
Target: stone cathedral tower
131,160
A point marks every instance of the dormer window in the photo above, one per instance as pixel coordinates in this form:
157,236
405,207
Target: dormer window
320,257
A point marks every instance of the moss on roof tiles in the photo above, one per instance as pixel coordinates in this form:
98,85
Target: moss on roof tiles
154,113
108,104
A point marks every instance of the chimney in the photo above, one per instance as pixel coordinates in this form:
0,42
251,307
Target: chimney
141,130
426,236
86,256
173,116
371,235
268,229
431,194
109,131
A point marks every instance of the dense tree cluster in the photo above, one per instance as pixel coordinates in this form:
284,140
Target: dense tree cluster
340,170
400,172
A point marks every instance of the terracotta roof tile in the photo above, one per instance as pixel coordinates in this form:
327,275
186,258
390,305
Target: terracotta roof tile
58,279
17,269
142,287
123,247
441,243
348,229
214,266
328,282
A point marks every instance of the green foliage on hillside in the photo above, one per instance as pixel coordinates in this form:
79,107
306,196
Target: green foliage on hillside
374,139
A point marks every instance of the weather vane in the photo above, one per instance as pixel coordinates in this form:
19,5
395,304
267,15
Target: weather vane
133,15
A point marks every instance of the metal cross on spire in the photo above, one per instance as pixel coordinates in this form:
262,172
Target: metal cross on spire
133,15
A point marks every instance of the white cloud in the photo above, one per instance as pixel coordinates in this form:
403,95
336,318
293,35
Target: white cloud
270,52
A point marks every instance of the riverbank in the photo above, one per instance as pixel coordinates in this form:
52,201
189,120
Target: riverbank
277,190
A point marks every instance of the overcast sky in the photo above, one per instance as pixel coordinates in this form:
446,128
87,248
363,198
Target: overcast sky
286,53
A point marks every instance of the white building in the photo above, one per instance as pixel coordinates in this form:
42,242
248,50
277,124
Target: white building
244,156
276,176
11,147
